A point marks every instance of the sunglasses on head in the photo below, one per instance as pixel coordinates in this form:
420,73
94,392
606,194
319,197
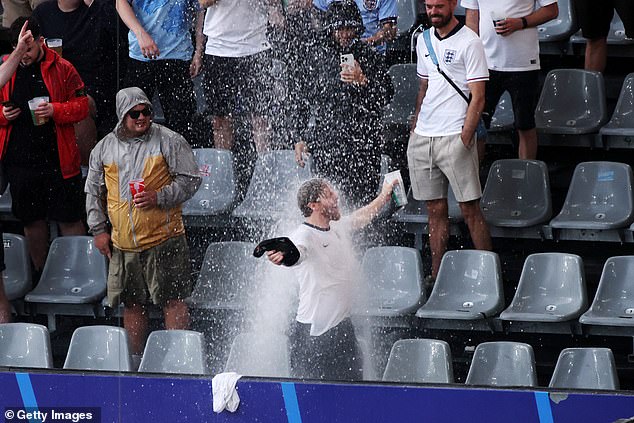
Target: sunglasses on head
134,114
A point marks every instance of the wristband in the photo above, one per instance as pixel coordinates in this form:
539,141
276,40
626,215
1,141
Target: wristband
524,23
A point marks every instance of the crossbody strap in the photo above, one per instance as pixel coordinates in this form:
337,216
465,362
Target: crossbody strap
434,59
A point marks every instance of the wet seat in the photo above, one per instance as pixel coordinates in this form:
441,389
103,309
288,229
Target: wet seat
503,364
257,354
216,194
419,361
585,368
25,345
174,351
99,348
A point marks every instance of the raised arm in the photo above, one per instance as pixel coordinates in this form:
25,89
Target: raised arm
9,66
363,216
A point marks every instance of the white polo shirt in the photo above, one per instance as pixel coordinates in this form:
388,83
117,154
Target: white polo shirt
512,53
461,56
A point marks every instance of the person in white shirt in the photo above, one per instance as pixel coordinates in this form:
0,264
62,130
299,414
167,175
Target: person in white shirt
323,343
441,145
512,51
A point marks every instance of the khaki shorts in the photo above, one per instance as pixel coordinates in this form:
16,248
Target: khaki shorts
156,275
436,161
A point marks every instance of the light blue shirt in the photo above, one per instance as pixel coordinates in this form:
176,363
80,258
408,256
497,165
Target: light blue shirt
373,12
168,22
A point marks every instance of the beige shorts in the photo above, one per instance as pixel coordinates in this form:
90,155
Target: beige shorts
435,162
156,275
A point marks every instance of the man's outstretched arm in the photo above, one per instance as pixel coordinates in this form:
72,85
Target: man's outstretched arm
363,216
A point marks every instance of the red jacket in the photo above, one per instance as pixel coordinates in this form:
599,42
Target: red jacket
70,105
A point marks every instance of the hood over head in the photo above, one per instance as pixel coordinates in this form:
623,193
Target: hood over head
129,98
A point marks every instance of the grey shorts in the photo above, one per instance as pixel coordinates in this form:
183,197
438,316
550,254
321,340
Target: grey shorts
435,162
156,275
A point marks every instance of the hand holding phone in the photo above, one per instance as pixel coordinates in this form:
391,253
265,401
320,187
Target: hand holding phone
347,59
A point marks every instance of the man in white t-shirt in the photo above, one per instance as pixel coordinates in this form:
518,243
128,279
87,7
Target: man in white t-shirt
441,146
323,343
512,51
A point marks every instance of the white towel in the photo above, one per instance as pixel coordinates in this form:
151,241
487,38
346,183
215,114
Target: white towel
223,387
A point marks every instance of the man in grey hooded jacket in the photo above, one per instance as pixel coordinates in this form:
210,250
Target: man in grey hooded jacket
139,176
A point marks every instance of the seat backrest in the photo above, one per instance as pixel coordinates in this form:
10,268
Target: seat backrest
17,276
600,192
585,368
562,27
572,101
99,348
406,15
469,281
503,364
551,285
419,361
394,277
75,272
227,276
257,354
623,116
217,189
417,209
273,186
174,351
406,83
503,118
517,193
6,201
615,294
25,345
617,34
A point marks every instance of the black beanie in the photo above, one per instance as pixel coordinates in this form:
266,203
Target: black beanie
342,14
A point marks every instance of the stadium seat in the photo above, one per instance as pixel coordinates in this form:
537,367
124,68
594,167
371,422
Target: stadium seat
551,289
99,348
517,194
503,364
258,354
571,108
416,211
619,131
503,119
419,361
6,202
17,276
613,303
405,82
25,345
227,277
468,287
394,278
174,351
406,15
273,186
73,280
599,198
585,368
560,28
217,190
617,35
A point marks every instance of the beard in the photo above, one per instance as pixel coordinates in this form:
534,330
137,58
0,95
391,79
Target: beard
331,213
443,22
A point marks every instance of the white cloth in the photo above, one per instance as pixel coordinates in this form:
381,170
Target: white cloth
512,53
223,388
327,273
236,28
461,56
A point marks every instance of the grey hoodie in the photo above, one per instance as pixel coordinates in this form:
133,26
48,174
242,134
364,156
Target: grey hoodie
162,158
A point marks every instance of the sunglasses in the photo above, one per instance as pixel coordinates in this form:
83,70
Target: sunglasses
134,114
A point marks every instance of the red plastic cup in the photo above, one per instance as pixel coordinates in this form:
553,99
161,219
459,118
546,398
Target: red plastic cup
137,186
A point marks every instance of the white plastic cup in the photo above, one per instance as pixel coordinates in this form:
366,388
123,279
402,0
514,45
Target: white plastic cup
33,103
55,44
398,191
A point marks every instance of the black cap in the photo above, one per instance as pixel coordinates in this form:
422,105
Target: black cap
283,245
343,14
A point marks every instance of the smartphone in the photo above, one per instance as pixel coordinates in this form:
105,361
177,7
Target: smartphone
8,103
347,59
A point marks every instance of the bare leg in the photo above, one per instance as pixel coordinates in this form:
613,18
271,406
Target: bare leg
438,231
223,132
36,234
176,315
86,133
135,321
5,307
528,144
72,228
261,133
478,227
596,54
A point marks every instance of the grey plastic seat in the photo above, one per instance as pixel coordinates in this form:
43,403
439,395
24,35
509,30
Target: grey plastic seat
99,348
573,104
174,351
406,83
6,201
257,354
394,278
562,27
468,287
273,186
75,273
416,210
25,345
503,119
419,361
406,15
517,194
617,35
216,194
619,131
503,364
585,368
613,303
227,277
17,276
552,288
599,197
